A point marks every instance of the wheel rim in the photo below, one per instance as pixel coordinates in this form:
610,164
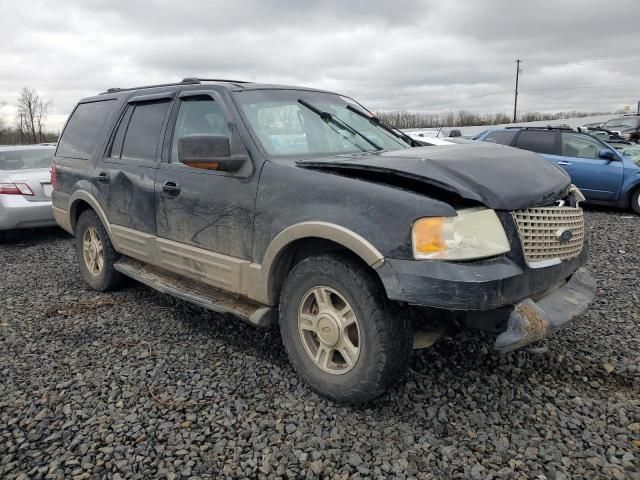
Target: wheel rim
92,251
329,330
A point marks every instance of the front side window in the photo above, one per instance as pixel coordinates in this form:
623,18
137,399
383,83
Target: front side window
198,115
501,137
139,131
581,146
286,127
539,141
83,128
26,159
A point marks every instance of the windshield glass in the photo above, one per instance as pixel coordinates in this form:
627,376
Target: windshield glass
26,159
633,152
621,123
285,127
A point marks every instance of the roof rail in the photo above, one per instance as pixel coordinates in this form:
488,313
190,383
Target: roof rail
224,80
542,127
184,81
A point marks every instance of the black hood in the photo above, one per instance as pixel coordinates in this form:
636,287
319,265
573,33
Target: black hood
502,178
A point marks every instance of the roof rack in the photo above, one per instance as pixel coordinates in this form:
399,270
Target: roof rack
184,81
542,127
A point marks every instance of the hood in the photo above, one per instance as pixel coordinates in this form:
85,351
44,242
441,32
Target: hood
502,178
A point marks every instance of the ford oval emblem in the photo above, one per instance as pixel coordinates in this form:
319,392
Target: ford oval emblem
564,235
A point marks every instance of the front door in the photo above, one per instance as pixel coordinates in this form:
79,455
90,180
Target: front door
598,178
204,217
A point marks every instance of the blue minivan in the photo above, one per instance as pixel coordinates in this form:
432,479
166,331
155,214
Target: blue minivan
603,174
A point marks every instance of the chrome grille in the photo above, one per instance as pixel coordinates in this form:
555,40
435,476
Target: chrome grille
539,229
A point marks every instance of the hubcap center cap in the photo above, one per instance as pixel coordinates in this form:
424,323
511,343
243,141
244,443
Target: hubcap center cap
328,330
93,252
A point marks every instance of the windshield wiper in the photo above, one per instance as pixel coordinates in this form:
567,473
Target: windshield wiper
376,121
326,116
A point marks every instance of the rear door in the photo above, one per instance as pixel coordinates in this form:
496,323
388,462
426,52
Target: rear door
597,178
125,177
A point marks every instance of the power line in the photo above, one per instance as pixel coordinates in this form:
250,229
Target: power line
580,86
425,80
406,94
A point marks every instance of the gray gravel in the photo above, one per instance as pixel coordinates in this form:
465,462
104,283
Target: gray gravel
135,384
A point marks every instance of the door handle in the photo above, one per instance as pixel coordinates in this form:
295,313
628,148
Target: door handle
564,163
171,188
103,177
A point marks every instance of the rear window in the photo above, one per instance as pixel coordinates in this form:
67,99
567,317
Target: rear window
83,128
26,159
143,131
503,137
538,141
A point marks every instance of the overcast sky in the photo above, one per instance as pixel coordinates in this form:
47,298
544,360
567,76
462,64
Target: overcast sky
395,54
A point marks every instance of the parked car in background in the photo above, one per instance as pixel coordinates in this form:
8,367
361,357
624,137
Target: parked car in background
603,174
25,187
627,126
429,141
295,205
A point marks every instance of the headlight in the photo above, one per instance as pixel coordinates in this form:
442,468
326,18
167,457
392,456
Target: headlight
474,233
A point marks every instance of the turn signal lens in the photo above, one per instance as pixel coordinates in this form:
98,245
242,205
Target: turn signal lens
428,235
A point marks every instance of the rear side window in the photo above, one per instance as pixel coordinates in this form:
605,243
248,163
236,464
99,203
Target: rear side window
503,137
139,131
538,141
81,133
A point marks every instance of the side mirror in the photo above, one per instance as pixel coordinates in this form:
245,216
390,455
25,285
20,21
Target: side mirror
455,133
209,152
607,154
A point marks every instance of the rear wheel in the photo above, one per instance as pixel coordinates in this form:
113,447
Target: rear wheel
635,201
341,333
96,255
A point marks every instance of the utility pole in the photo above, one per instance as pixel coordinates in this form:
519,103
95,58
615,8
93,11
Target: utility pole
515,100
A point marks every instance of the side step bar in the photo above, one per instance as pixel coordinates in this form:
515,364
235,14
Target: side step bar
203,295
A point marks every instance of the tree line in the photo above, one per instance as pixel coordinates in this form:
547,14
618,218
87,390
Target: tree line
31,115
463,118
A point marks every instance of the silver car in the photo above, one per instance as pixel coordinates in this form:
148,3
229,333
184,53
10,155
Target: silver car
25,187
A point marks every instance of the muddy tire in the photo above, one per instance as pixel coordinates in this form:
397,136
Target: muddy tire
341,333
635,201
96,255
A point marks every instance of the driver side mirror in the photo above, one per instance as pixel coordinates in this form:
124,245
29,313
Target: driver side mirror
607,154
209,152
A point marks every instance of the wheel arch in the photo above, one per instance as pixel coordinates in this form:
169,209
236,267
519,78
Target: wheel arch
81,201
302,240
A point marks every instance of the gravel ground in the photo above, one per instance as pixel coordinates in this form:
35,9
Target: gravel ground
134,384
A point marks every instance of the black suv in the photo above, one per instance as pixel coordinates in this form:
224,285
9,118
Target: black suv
627,126
298,206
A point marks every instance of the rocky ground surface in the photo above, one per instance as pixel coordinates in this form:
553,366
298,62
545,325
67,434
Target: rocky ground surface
134,384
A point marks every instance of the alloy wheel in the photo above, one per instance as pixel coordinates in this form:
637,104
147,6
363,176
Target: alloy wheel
329,330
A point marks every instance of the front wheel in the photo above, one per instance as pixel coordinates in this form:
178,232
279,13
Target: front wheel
635,201
96,255
341,333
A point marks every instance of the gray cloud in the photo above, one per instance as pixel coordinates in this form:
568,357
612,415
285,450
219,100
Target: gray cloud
410,54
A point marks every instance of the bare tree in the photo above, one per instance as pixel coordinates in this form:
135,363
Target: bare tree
2,125
32,113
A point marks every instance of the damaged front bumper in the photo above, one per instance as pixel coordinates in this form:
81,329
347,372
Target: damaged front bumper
531,321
